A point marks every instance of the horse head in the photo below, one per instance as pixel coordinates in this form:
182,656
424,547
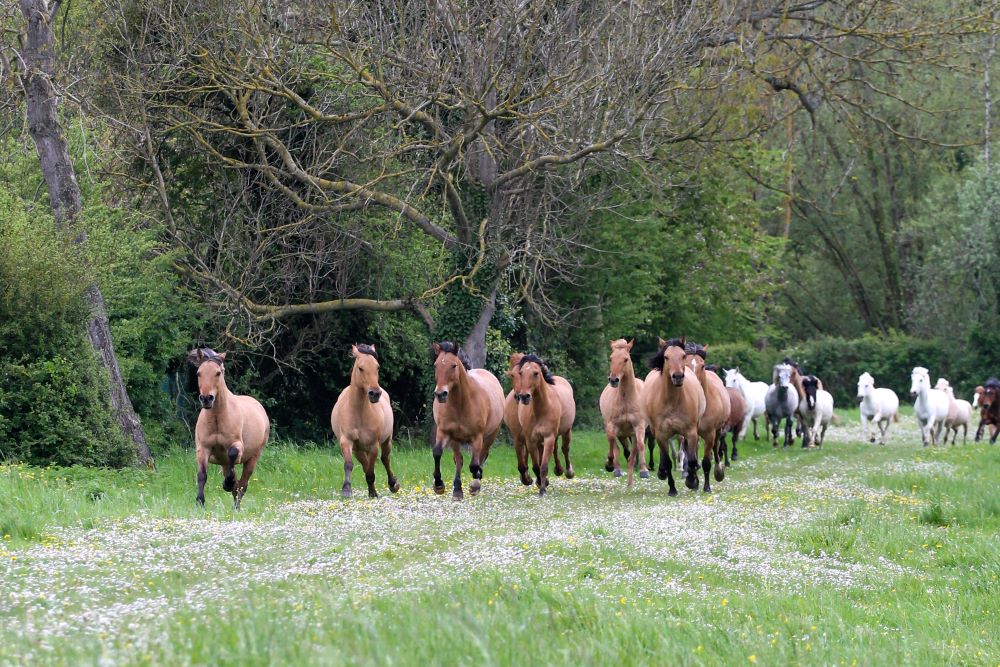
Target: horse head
732,377
447,359
920,380
365,371
991,391
621,360
942,385
781,377
697,354
672,357
866,383
531,372
810,384
211,374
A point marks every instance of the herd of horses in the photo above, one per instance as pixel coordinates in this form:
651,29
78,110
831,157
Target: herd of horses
682,401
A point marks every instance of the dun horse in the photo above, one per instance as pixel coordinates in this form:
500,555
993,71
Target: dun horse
782,403
362,421
622,412
546,411
674,401
514,425
878,405
231,429
734,425
468,407
717,411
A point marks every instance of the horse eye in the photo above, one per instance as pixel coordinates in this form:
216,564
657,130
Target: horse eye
218,373
454,365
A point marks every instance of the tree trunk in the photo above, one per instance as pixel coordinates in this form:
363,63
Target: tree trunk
475,343
64,193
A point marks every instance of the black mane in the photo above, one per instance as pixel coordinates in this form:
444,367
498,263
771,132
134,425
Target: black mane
695,348
656,361
992,382
366,349
206,354
451,348
546,373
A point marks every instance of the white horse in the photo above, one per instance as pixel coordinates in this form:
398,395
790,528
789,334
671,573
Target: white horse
959,413
878,405
931,405
753,398
816,411
782,401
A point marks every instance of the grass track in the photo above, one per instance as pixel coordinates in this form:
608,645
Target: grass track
854,554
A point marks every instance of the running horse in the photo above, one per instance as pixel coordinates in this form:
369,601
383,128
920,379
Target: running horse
621,411
231,428
546,411
674,402
362,421
989,408
717,411
468,408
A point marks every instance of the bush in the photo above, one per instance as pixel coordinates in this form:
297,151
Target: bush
53,395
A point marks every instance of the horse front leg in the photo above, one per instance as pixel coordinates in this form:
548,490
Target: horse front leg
347,451
241,486
774,430
521,452
439,442
994,431
368,465
476,465
979,430
665,471
789,439
706,459
612,465
456,484
233,455
201,456
548,446
386,450
640,444
691,459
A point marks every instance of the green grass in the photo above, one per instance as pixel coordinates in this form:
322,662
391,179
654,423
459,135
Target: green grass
856,554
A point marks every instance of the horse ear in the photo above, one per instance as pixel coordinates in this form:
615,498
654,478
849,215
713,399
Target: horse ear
683,341
354,350
196,356
704,348
372,346
630,344
437,349
222,356
660,342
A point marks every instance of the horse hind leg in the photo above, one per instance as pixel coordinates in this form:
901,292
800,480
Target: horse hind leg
720,466
386,450
456,485
368,464
559,470
665,471
566,437
347,450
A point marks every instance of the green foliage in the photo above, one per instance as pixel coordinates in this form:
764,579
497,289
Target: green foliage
53,395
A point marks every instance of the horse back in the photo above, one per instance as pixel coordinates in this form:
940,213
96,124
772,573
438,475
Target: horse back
256,425
493,392
564,390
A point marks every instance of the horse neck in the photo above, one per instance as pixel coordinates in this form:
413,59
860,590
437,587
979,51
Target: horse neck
358,398
797,382
464,388
627,388
223,400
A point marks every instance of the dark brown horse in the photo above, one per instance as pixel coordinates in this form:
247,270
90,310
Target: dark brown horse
468,408
989,409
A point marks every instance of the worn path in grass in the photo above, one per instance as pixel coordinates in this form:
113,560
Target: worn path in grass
854,554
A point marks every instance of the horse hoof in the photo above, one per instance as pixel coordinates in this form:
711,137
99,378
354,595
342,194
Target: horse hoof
720,474
457,495
608,465
542,491
229,483
707,489
346,492
672,492
691,482
439,489
201,501
570,474
394,486
559,472
474,487
643,474
618,472
373,494
661,474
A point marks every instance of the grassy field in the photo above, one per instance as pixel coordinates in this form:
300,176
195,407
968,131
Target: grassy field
856,554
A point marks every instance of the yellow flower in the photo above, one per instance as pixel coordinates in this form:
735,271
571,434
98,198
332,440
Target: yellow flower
725,602
752,658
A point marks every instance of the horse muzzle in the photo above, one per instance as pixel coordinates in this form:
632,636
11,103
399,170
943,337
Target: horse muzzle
677,379
523,399
207,401
614,382
441,396
374,396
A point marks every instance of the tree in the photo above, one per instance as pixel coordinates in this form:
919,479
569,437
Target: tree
37,76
